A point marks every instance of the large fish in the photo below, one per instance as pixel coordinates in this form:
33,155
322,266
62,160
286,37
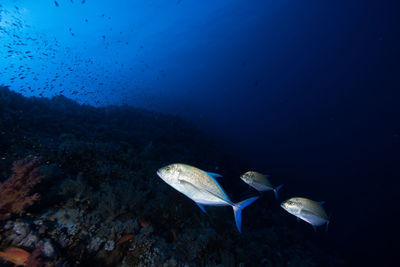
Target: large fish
202,188
259,182
306,209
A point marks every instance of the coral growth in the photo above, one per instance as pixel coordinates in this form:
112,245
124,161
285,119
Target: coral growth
104,204
15,255
22,257
14,192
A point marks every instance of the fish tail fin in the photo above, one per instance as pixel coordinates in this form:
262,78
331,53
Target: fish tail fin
327,223
237,210
276,189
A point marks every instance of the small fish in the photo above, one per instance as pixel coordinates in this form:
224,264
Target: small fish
308,210
259,182
57,5
202,188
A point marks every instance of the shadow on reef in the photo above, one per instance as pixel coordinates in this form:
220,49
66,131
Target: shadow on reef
101,203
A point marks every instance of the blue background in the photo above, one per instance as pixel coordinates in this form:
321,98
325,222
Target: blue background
306,91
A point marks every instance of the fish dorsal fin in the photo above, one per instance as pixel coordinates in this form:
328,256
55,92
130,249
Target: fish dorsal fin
214,175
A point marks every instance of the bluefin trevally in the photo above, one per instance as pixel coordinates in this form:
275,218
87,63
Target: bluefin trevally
202,188
306,209
260,182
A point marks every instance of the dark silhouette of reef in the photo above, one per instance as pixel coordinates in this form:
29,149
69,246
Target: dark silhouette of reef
103,205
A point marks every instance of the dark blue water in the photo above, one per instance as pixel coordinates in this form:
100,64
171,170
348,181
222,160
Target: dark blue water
306,91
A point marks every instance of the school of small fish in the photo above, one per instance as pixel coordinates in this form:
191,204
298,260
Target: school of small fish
203,188
34,63
200,186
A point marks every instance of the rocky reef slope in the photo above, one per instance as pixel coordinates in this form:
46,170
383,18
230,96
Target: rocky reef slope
101,203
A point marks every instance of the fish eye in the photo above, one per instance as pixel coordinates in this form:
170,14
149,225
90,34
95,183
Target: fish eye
168,169
290,203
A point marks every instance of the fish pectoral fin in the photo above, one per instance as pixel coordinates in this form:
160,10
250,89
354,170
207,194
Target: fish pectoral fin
218,196
214,175
207,190
189,184
307,213
310,216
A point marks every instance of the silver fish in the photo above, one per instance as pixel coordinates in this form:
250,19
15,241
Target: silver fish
259,182
306,209
202,188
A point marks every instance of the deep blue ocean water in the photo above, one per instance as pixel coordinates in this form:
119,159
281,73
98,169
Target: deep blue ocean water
305,91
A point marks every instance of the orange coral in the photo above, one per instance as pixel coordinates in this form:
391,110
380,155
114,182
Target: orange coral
15,255
14,192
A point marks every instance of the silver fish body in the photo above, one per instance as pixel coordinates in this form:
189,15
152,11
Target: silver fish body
259,181
201,187
306,209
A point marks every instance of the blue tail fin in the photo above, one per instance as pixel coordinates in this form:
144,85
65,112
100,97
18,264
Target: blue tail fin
327,223
277,189
237,210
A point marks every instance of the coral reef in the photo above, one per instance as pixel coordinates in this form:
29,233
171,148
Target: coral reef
22,257
14,192
15,255
103,205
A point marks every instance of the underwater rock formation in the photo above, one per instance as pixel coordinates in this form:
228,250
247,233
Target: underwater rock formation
102,203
